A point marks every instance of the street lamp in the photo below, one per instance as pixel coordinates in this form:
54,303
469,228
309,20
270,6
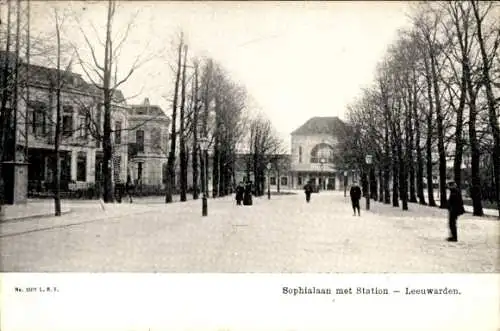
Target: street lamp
269,165
368,160
204,148
345,182
322,163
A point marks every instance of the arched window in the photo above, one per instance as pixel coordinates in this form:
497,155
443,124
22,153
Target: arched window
322,151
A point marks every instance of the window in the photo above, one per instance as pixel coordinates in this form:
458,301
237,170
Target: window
139,140
322,151
83,122
299,180
67,121
164,173
81,167
272,180
37,115
97,125
284,181
156,138
139,171
118,132
117,161
300,154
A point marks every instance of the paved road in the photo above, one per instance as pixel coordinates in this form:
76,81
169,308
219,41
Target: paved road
281,235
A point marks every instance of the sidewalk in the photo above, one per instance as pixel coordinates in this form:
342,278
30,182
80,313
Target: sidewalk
89,211
31,209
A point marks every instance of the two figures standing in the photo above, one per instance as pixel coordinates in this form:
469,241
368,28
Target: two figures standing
244,193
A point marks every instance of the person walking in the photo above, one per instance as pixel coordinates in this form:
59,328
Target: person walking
308,190
129,187
355,194
455,209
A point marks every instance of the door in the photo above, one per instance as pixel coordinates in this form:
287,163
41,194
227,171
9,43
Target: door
331,183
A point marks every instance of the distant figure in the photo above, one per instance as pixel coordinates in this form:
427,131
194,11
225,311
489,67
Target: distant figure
455,209
308,189
355,193
247,195
240,191
129,187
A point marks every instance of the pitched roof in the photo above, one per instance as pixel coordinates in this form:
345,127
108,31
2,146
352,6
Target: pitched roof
320,125
152,110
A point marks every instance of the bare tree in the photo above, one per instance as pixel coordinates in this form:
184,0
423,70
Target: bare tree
5,112
480,16
173,134
195,104
182,132
103,76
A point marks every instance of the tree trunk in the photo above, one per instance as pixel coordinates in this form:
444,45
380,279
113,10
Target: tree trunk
202,172
395,175
410,147
476,194
215,170
492,112
220,164
171,155
278,179
57,137
194,129
182,142
440,132
106,140
457,162
403,178
430,174
387,156
381,185
420,165
4,114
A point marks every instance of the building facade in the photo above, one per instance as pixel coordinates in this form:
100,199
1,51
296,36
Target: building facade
81,119
313,154
279,176
148,136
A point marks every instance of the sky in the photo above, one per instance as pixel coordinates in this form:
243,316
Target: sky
295,59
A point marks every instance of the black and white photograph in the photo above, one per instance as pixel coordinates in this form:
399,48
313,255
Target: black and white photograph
249,137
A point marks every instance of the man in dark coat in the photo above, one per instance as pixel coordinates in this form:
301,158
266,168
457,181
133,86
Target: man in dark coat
308,190
247,195
129,187
355,193
240,190
455,209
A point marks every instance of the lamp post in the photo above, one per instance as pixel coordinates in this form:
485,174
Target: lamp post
368,160
269,165
204,148
322,163
345,182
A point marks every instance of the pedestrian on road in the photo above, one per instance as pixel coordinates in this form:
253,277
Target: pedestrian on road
355,193
455,209
240,191
308,190
129,187
247,195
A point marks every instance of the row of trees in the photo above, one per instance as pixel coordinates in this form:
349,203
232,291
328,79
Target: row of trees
435,100
211,105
